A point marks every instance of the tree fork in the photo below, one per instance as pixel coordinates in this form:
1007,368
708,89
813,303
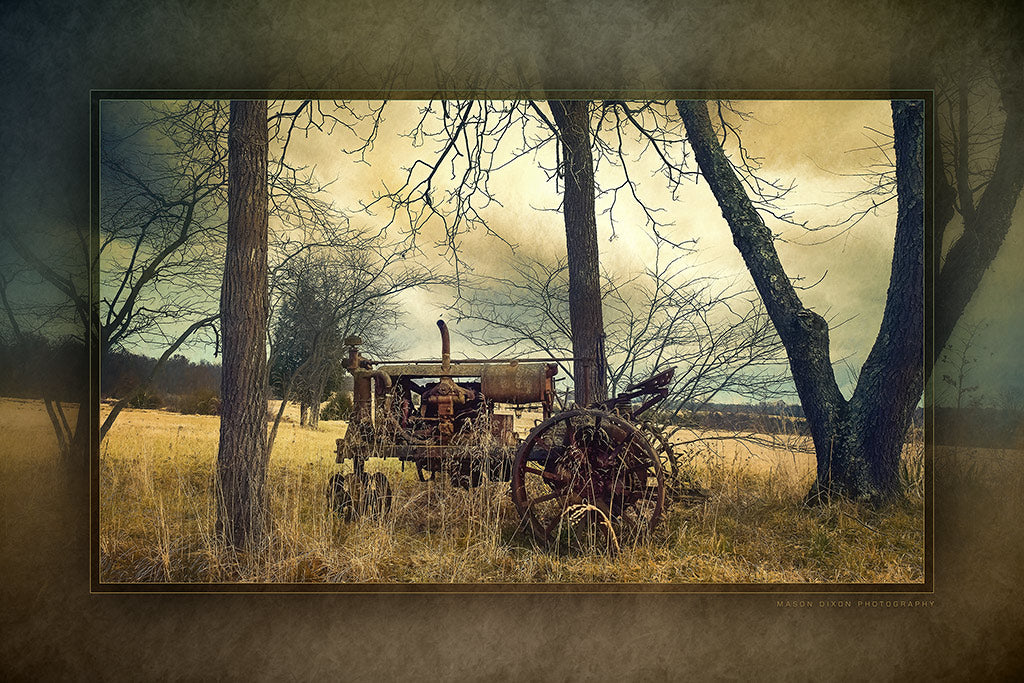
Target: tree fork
986,226
858,443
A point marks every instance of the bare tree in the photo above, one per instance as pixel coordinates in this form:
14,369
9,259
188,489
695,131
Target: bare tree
858,442
979,117
981,153
718,337
162,224
477,139
326,295
163,179
55,304
242,455
36,356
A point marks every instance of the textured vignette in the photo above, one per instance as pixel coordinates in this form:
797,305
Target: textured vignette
50,63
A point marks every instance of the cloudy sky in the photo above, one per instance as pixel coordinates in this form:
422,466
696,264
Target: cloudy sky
824,147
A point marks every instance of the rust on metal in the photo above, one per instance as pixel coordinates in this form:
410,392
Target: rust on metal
517,382
442,417
419,411
446,347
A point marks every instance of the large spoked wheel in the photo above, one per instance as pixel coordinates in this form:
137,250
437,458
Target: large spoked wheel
662,446
681,485
593,459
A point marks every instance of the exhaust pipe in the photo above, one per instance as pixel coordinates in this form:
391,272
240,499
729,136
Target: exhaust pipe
446,348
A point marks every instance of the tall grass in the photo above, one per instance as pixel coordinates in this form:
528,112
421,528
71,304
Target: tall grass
157,520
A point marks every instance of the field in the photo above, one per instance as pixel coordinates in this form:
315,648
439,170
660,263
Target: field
157,521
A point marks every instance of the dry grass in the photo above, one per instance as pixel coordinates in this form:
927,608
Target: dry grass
156,521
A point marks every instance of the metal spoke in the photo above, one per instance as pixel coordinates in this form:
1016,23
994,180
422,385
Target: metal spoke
550,496
601,462
567,438
544,474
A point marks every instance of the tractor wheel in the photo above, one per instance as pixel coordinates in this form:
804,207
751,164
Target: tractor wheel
584,460
339,498
354,495
681,486
465,473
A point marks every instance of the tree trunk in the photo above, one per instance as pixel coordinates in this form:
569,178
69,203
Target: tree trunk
318,398
892,378
314,411
585,316
987,223
857,443
60,427
242,457
86,424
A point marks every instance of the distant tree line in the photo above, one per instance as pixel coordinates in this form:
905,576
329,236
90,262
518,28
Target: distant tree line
180,385
775,417
778,408
33,367
186,386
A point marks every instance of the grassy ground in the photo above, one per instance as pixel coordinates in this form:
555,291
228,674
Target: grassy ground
156,522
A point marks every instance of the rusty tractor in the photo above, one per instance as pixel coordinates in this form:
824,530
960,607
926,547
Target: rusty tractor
592,467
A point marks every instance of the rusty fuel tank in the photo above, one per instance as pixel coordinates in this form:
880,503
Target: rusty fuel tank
517,382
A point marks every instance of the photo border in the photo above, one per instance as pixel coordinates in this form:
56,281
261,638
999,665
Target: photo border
926,587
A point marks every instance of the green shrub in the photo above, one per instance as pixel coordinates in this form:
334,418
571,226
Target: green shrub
338,408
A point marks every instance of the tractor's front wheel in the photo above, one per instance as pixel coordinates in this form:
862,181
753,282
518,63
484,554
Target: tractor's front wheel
354,495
